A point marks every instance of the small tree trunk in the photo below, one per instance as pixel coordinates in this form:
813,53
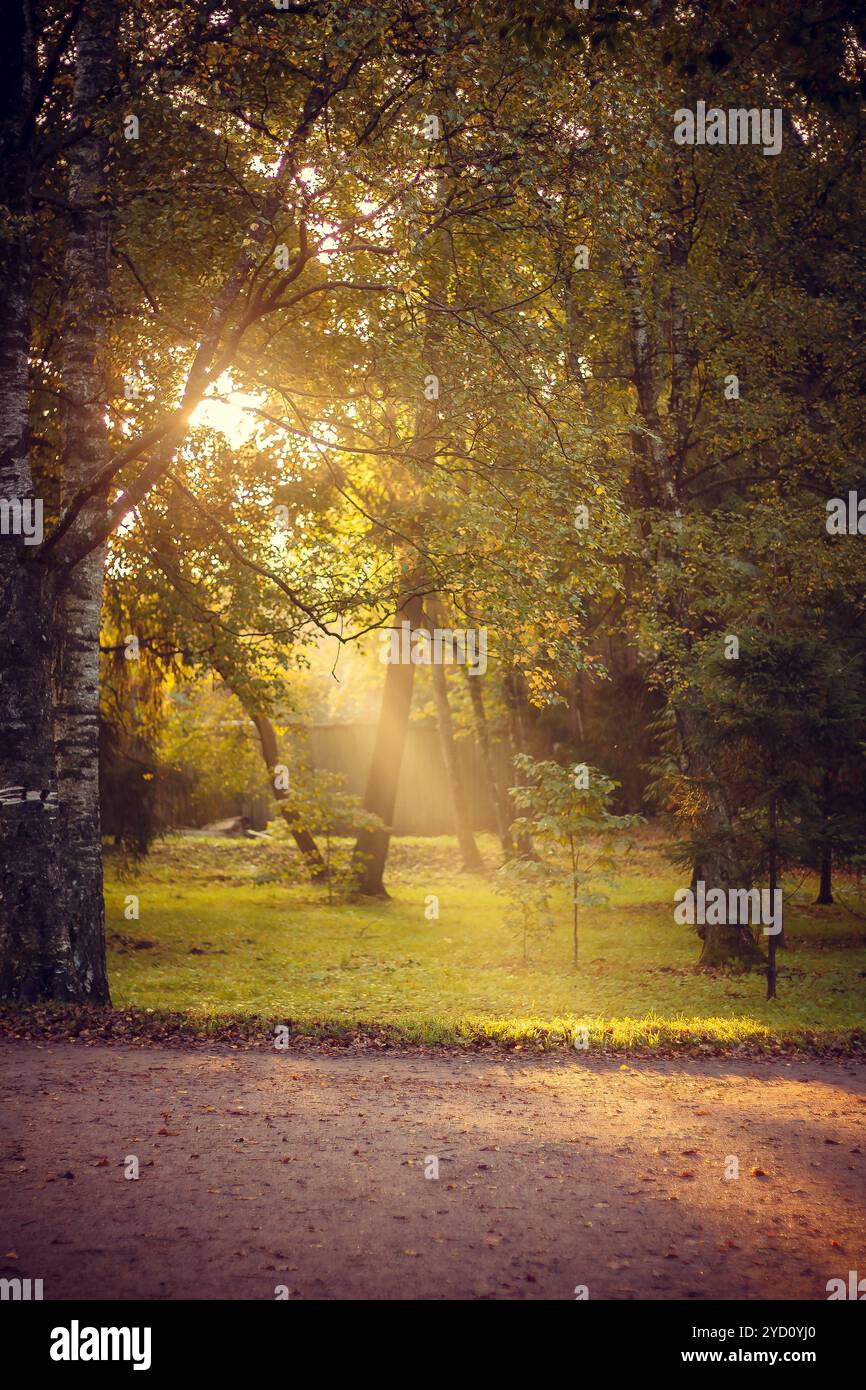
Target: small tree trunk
482,733
772,940
472,861
302,837
517,740
282,795
575,861
371,846
825,890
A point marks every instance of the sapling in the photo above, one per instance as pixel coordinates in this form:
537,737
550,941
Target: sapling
568,806
527,882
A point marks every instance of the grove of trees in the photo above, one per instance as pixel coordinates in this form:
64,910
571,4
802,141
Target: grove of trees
507,356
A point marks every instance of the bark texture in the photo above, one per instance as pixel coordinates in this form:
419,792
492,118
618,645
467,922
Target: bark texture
86,448
34,947
825,889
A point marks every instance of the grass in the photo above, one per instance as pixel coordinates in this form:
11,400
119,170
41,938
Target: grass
228,935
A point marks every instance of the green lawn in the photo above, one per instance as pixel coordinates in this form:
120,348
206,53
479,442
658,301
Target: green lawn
230,934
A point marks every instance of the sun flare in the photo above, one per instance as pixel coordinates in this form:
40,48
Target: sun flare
230,412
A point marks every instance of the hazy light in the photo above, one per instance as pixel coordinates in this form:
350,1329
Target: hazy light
230,413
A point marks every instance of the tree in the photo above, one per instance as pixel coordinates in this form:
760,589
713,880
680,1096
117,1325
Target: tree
84,378
244,288
35,955
569,807
526,884
770,709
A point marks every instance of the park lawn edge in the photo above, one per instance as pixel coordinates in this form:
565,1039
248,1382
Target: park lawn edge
650,1036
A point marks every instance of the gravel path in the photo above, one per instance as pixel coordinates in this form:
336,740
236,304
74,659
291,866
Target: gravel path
307,1171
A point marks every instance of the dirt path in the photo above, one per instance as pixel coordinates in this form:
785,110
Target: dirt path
308,1171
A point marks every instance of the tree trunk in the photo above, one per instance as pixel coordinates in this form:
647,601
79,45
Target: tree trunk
772,940
472,861
76,626
282,795
575,869
302,837
517,740
86,448
482,733
723,943
35,960
371,846
825,890
656,465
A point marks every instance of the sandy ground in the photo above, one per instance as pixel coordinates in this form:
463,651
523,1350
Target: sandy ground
307,1171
